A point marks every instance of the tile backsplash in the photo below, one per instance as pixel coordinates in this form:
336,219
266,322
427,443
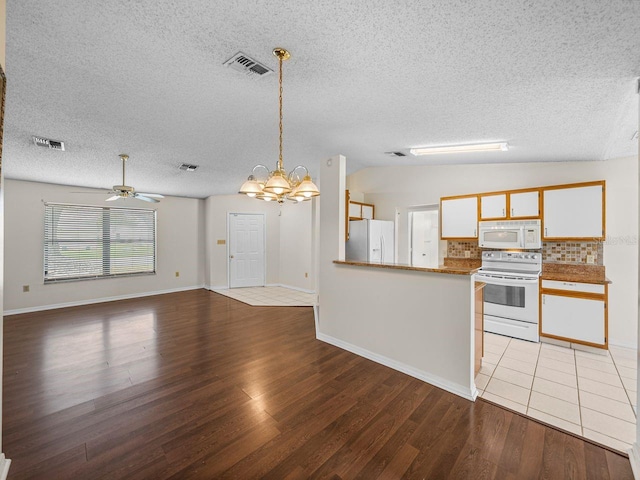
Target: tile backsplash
552,252
568,252
456,249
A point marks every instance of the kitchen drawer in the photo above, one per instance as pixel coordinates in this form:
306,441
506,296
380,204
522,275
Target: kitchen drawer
573,286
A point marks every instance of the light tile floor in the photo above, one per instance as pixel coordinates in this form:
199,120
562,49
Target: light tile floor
584,393
269,296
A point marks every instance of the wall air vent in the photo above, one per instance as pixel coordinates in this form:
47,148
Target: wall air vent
395,154
48,143
247,65
188,168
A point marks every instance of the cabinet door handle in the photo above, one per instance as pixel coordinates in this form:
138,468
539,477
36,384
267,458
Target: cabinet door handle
512,212
545,232
543,297
474,233
503,212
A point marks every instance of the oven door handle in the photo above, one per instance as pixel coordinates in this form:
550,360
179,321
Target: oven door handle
507,282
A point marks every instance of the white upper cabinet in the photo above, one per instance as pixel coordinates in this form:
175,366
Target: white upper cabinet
367,211
493,206
574,212
459,217
510,205
524,204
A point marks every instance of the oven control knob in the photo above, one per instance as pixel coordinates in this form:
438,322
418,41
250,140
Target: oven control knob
533,257
527,256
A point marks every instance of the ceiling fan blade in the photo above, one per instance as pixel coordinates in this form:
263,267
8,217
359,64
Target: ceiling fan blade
111,199
152,195
146,199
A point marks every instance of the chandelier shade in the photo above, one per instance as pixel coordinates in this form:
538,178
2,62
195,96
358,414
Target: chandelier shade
277,184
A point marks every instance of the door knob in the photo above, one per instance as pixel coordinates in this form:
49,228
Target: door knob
230,256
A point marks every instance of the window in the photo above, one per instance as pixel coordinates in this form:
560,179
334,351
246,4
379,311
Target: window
83,242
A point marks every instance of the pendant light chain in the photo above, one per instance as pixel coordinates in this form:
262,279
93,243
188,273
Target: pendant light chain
280,162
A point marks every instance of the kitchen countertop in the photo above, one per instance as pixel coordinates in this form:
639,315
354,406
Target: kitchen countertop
451,270
594,274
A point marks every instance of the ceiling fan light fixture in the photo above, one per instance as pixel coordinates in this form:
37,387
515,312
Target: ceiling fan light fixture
471,148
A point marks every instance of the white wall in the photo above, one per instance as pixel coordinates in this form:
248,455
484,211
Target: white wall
426,184
216,210
180,248
288,229
296,233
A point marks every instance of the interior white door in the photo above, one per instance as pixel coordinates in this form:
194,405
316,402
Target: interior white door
424,238
246,250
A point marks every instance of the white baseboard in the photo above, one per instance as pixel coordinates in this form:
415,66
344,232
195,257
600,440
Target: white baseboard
434,380
632,346
634,459
305,290
40,308
5,463
226,287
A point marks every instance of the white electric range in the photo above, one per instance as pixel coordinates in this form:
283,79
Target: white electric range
511,293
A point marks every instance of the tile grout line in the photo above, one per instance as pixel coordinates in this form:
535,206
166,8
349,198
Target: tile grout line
575,363
615,365
533,380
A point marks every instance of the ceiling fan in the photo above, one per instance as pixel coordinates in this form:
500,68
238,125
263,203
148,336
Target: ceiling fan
125,191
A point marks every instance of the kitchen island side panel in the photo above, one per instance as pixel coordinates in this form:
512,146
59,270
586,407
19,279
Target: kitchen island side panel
417,322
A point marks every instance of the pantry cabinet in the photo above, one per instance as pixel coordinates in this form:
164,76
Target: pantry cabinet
574,312
459,217
510,205
574,212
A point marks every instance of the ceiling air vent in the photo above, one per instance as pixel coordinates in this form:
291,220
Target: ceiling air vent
247,65
188,168
48,143
395,154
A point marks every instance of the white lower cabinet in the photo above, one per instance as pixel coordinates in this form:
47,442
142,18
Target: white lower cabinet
575,312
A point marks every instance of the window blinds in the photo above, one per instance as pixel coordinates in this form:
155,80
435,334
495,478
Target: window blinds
82,242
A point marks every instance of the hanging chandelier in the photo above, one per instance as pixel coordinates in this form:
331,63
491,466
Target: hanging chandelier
278,185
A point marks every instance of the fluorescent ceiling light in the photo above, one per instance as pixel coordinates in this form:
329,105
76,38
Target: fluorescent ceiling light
482,147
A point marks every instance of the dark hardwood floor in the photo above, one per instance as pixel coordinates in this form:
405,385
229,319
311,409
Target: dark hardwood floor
197,385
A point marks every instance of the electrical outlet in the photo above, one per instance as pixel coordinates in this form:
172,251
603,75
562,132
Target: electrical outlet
306,275
25,288
222,242
467,254
591,259
177,274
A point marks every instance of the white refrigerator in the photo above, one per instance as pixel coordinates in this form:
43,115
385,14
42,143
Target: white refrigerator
371,241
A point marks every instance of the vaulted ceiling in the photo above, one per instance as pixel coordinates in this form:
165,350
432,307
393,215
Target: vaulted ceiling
557,80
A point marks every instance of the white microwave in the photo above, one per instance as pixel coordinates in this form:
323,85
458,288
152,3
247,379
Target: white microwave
524,234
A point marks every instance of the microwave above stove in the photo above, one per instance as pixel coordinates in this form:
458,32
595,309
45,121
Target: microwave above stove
521,234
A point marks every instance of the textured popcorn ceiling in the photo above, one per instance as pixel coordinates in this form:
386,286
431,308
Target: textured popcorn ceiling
555,79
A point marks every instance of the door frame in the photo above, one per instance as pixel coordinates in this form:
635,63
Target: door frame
264,244
410,211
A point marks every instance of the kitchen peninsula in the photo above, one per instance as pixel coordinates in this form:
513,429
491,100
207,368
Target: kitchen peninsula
413,319
416,320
